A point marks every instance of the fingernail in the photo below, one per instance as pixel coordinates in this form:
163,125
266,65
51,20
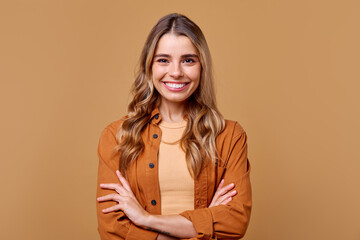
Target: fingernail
101,185
234,191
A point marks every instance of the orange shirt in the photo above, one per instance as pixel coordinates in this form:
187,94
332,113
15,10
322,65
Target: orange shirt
220,222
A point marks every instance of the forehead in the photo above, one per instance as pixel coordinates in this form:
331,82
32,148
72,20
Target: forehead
175,45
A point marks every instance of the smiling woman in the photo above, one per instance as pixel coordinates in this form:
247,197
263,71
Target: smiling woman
173,167
176,69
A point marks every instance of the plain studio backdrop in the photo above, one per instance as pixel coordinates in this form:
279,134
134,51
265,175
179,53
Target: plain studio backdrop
286,70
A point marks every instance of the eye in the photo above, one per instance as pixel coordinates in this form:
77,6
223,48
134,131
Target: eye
189,60
162,60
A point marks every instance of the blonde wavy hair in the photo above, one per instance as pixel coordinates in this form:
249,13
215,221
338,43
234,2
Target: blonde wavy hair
204,121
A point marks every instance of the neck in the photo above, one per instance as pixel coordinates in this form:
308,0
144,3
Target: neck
172,111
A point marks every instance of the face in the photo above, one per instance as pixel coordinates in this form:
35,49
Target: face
176,68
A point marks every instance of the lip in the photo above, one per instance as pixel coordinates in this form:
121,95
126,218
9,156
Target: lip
176,89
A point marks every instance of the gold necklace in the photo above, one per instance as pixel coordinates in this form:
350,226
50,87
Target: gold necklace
170,143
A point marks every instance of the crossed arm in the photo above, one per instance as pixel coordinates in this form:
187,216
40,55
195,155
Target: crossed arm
169,226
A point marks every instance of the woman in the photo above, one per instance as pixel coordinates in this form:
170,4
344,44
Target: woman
184,171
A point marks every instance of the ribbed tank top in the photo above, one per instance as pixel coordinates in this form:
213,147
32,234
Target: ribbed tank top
176,184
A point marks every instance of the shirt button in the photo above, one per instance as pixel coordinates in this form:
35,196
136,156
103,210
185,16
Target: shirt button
153,202
156,116
151,165
155,136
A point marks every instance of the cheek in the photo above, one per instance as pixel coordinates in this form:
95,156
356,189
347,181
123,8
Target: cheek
194,73
158,72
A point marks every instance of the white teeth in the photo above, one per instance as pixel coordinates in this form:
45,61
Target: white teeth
175,85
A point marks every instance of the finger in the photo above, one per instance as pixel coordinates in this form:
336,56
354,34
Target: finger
219,191
114,186
221,184
228,187
225,197
226,201
117,207
109,197
219,188
225,189
123,181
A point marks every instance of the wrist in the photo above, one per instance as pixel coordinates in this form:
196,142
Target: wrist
146,220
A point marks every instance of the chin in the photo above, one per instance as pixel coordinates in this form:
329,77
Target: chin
175,100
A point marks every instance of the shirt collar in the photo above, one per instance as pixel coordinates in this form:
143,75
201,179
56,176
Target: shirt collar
155,116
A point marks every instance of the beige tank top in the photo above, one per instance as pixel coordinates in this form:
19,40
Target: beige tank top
176,184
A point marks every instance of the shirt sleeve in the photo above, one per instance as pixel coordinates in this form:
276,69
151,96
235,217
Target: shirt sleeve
114,225
228,221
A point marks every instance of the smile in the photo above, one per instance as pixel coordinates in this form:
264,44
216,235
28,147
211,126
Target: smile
175,86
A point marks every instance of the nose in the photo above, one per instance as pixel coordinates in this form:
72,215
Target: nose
175,70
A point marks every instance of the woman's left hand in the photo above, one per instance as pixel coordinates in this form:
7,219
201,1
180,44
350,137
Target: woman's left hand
126,200
223,195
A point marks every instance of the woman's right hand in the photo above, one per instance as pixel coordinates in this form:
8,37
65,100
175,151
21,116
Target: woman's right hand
223,195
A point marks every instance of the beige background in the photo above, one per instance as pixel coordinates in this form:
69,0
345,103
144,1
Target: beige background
287,70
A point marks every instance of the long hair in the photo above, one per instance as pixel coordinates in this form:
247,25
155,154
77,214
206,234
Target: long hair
204,121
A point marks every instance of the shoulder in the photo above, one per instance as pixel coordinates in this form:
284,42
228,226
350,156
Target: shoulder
232,137
232,129
113,127
108,139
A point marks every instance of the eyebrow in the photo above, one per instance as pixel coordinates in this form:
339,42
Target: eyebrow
190,55
183,56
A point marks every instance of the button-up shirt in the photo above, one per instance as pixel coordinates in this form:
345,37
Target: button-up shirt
219,222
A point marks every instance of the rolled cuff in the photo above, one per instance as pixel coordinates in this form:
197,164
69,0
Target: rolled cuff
137,233
202,221
224,221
